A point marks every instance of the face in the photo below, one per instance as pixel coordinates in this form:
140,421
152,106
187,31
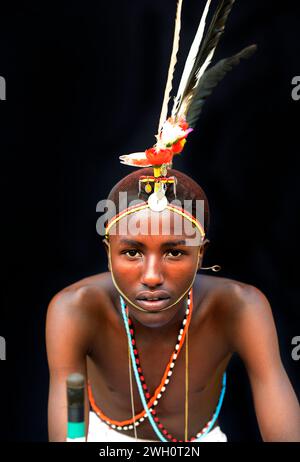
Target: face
149,265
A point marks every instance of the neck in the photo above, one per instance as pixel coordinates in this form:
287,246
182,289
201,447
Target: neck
160,331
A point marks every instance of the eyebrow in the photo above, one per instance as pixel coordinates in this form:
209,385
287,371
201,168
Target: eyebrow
164,244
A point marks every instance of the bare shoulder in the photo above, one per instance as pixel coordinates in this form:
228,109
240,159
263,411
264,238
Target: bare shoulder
234,296
234,303
74,314
81,302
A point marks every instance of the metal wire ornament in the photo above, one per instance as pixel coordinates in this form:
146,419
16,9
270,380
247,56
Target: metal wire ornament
131,391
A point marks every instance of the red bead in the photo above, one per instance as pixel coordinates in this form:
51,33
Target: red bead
165,432
145,386
147,395
137,361
174,440
160,426
169,436
135,352
133,341
142,378
156,419
131,331
139,369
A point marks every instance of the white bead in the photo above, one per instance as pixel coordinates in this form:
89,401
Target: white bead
113,426
167,381
181,331
184,322
187,311
169,373
177,347
172,365
119,428
163,389
142,419
159,395
130,427
179,337
125,428
137,424
155,403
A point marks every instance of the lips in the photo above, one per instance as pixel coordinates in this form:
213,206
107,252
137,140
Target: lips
154,305
153,301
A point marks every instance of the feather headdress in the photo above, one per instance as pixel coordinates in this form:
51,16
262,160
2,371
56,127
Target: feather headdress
197,83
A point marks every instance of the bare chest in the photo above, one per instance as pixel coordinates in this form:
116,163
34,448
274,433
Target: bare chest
196,376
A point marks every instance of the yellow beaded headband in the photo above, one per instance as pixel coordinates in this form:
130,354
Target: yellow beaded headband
135,208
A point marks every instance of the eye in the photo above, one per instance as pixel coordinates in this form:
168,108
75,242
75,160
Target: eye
130,253
176,251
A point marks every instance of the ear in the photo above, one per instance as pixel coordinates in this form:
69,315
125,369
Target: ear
106,246
202,249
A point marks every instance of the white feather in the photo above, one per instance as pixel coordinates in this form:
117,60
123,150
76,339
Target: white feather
187,100
191,57
164,111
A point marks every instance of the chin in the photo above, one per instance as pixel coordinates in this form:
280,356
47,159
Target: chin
153,320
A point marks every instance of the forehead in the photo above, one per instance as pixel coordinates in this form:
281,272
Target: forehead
147,225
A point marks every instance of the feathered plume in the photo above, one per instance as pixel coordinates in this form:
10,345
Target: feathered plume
204,55
173,62
197,83
210,80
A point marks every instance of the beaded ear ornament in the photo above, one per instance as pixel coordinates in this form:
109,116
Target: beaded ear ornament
197,83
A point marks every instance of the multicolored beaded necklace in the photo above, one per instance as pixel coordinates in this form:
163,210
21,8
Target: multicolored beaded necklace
153,401
149,410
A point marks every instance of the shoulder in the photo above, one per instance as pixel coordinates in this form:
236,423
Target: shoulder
79,304
236,306
234,296
83,294
249,323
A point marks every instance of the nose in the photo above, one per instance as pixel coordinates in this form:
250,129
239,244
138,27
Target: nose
152,274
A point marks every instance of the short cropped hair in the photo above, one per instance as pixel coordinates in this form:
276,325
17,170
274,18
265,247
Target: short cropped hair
186,190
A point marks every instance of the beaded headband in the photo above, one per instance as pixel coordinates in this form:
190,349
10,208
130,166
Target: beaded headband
180,211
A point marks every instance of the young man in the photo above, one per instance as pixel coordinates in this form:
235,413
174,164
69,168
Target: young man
152,337
85,333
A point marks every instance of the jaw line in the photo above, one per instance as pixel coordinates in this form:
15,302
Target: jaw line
138,307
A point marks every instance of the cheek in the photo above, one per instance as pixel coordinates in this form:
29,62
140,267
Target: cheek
125,271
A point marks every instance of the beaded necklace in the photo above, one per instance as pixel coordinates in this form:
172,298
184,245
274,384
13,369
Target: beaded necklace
142,386
139,418
147,394
149,412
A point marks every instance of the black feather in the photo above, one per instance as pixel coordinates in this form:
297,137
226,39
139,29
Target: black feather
210,41
210,80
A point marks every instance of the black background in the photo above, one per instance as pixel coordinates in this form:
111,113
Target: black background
85,83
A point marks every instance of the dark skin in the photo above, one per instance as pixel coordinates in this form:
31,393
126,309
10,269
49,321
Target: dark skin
85,333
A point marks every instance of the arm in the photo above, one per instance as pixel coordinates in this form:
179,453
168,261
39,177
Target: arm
254,338
67,346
